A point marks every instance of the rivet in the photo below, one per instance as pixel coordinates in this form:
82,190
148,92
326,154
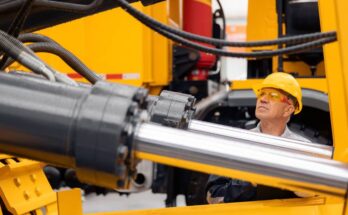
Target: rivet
33,177
17,182
26,195
37,191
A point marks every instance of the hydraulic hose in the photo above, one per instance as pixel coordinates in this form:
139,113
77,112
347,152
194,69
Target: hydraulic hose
66,56
17,24
32,38
259,54
23,57
55,48
64,6
219,52
218,42
223,17
10,5
31,61
69,7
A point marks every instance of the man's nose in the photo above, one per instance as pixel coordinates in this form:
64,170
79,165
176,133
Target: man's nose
264,99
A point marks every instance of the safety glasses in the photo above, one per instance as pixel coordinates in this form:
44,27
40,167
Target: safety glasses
273,95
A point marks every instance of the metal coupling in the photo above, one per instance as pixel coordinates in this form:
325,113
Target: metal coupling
172,109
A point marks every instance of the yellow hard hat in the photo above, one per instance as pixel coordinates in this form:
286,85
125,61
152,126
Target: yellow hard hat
284,82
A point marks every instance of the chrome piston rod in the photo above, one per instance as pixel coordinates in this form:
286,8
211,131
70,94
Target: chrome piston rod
238,159
265,140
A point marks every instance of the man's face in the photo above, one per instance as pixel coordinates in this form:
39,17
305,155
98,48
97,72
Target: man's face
272,104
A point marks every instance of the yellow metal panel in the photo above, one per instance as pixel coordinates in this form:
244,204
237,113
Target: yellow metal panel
157,50
69,202
111,43
262,20
117,46
175,13
24,187
333,16
310,206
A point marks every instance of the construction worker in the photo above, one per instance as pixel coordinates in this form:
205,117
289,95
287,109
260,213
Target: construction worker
278,98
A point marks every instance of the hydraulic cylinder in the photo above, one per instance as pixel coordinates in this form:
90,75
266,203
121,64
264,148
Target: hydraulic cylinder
86,128
237,159
265,140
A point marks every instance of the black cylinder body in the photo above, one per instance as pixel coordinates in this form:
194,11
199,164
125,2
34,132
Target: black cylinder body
88,128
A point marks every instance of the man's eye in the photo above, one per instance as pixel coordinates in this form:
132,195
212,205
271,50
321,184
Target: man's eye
262,94
274,95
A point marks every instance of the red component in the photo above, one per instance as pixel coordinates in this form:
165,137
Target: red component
113,76
198,19
198,75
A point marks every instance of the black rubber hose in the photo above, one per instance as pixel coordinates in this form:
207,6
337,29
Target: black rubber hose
17,24
218,42
66,56
29,59
33,38
15,51
64,6
259,54
69,7
223,17
54,48
10,5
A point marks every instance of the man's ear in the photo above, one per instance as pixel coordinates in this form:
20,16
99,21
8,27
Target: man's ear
289,110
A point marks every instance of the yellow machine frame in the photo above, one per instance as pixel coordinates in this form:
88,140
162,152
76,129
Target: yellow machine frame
23,186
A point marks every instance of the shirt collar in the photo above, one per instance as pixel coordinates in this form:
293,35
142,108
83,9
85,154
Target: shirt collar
286,132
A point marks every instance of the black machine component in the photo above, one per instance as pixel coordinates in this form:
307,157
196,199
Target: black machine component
172,109
302,17
199,89
87,128
150,2
184,60
259,68
54,15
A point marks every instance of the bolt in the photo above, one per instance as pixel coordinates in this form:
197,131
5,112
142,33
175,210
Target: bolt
122,152
37,191
193,56
120,183
17,182
133,109
33,177
26,194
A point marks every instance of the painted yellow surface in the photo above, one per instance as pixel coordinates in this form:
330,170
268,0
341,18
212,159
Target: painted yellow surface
311,206
69,202
24,187
114,43
121,45
336,59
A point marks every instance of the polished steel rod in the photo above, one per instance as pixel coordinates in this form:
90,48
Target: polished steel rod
256,163
265,140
